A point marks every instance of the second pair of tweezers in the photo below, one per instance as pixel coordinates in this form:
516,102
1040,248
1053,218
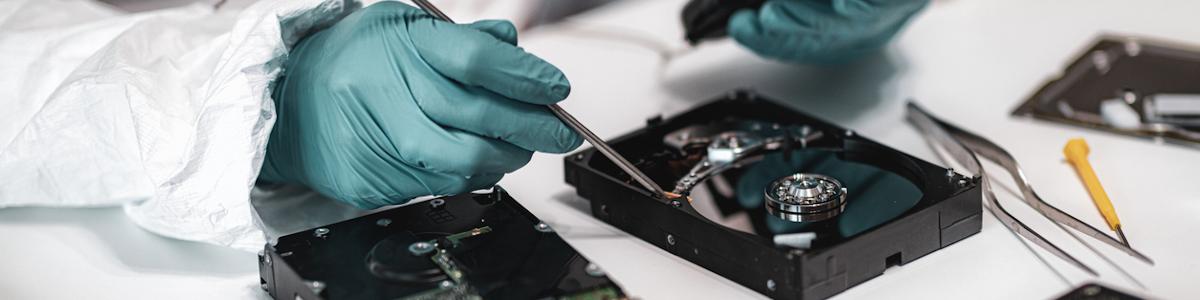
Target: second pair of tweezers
966,148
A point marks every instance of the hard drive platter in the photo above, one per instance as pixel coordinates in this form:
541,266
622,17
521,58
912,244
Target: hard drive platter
877,196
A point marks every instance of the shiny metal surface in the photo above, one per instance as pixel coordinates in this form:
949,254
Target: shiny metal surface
806,217
609,152
804,193
939,135
738,145
995,153
433,10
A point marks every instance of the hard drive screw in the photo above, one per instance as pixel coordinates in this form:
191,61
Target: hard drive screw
436,203
321,232
316,286
446,284
1133,48
1101,61
579,156
543,227
962,182
420,248
671,239
849,133
950,172
383,222
771,284
593,270
676,203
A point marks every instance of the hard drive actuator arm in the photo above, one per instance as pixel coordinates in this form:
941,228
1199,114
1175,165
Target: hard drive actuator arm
732,145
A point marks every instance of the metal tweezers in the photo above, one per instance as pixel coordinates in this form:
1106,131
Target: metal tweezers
587,134
965,147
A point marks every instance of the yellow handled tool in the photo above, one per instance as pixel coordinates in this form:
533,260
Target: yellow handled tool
1077,151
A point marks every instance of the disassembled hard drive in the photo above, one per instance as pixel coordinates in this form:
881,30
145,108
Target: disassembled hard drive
1127,85
781,202
470,246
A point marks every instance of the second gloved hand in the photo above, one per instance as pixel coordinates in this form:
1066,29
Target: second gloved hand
390,104
820,31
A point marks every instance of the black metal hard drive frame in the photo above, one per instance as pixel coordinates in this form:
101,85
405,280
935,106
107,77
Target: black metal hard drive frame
514,256
1135,70
950,209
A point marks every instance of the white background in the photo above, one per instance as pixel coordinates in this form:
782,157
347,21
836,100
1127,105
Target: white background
969,62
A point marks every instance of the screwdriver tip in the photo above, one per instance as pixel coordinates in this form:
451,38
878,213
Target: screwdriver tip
1121,236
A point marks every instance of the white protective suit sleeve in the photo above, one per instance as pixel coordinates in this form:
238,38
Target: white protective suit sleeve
166,112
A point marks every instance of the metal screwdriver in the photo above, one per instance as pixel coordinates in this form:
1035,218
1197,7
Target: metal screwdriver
591,138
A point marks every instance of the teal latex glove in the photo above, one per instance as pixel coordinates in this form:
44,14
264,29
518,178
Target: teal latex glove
820,31
390,104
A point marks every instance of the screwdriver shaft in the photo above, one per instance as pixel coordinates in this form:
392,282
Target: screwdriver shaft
603,147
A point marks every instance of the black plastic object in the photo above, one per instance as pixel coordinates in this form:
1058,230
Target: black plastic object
948,209
707,19
370,257
1094,291
1134,73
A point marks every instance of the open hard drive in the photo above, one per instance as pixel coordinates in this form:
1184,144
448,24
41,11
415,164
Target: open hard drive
781,202
470,246
1127,85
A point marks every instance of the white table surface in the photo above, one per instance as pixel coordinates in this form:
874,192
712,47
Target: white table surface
969,62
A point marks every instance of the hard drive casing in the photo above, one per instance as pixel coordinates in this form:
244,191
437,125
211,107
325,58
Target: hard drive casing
518,258
949,211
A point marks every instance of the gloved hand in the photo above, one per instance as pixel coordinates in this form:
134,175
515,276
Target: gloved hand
820,31
390,104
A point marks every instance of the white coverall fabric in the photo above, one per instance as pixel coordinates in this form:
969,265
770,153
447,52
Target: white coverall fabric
165,112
